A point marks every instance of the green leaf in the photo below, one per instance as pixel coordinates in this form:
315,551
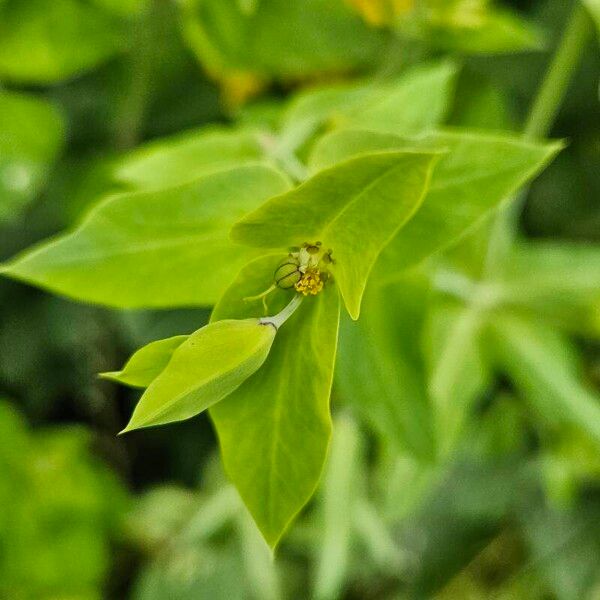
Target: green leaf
279,38
147,363
125,8
354,208
560,280
203,370
416,101
183,158
380,372
494,32
32,136
594,8
457,372
45,41
471,180
544,366
274,429
154,249
339,500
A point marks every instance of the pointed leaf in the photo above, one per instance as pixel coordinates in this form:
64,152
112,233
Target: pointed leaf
154,249
204,369
274,429
471,179
416,101
147,363
354,208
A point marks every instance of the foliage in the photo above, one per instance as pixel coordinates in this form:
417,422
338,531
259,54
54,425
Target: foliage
400,376
47,476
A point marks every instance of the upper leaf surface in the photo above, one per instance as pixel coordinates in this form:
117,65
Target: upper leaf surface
147,363
274,429
471,179
205,368
354,208
154,249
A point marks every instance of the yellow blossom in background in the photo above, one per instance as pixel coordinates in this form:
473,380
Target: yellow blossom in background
381,12
239,87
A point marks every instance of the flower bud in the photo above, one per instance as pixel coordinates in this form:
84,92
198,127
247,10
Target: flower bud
287,274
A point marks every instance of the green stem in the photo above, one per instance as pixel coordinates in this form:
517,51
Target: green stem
131,109
558,77
281,317
541,117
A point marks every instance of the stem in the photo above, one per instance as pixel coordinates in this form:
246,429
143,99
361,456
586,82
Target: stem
280,318
559,74
130,112
541,117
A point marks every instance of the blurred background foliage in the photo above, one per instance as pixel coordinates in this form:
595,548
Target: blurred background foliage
465,459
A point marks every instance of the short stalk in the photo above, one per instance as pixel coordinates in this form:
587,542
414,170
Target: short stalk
280,318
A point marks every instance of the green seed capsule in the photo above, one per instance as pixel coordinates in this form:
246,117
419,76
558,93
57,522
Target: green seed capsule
287,274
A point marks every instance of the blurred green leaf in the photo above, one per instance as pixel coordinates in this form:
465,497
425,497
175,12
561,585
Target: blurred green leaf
457,372
493,31
31,136
153,249
339,499
379,370
210,364
45,41
565,547
558,280
594,7
181,159
279,38
544,366
341,205
60,507
122,7
274,429
416,101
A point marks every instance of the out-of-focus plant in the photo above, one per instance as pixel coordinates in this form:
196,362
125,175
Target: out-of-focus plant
365,192
61,508
470,420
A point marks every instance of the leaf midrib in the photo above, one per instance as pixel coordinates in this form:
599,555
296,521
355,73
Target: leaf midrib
357,197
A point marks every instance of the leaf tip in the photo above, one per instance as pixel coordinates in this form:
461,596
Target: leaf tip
109,375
